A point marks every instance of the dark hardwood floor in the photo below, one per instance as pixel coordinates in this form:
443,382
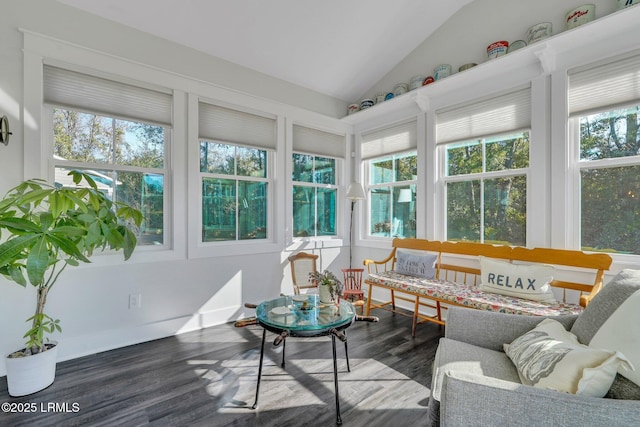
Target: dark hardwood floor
208,378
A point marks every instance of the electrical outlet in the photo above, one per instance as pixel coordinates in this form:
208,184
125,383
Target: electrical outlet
135,301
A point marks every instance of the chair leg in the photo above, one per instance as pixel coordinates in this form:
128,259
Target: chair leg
284,346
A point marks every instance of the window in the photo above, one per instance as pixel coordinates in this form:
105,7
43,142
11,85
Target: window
235,156
392,168
314,196
486,161
234,192
486,189
99,127
392,192
314,178
604,105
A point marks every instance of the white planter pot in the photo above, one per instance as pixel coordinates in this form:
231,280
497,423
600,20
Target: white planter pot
27,375
325,295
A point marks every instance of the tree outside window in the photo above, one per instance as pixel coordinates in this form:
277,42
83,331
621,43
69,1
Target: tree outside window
610,181
125,158
314,195
392,196
234,192
486,187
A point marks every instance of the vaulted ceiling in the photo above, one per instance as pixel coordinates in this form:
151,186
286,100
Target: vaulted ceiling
339,48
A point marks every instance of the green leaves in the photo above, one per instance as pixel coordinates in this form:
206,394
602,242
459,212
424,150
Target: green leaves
47,228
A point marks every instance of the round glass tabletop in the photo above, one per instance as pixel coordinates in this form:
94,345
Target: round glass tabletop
298,314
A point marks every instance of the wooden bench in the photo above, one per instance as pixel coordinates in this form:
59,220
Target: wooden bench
458,275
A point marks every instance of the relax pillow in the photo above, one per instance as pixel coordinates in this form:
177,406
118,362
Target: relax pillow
551,357
522,281
416,263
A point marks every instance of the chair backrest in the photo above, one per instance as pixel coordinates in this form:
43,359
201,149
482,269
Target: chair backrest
302,264
352,279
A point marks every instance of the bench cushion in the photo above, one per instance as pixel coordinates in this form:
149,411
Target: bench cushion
470,296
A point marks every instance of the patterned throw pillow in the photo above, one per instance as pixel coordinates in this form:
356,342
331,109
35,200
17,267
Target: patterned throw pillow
416,263
551,357
523,281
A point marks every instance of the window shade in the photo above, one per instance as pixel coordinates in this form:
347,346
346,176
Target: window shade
390,140
611,84
508,112
238,127
75,90
313,141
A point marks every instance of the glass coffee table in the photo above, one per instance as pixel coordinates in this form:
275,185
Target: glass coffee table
305,317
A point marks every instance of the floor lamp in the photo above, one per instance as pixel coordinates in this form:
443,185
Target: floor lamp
355,192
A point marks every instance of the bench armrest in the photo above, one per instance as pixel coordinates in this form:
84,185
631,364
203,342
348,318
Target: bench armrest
377,266
490,329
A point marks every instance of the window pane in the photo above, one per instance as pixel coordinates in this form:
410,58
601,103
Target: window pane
406,168
218,209
217,158
511,152
302,168
505,213
610,134
325,171
251,162
404,212
326,212
139,144
83,137
380,224
610,219
464,158
252,212
463,210
304,217
381,171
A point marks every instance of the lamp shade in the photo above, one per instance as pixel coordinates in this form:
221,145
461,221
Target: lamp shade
355,191
405,195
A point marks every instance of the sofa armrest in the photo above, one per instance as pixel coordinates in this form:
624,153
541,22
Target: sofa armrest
490,329
473,400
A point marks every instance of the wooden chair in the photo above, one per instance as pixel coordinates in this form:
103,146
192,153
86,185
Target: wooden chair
302,264
353,286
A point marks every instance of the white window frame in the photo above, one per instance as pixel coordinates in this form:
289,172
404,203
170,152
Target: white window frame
483,176
269,180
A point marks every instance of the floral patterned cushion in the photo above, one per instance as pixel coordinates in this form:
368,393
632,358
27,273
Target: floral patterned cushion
470,296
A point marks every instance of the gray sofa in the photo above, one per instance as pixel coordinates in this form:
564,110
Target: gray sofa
476,384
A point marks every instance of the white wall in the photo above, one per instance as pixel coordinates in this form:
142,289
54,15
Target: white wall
178,292
466,35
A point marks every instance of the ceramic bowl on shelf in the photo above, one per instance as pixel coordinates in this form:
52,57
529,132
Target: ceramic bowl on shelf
518,44
442,71
627,3
539,31
497,49
580,15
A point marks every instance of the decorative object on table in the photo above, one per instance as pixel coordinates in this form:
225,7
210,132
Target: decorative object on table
400,88
329,286
539,31
416,82
46,228
428,80
355,192
441,71
466,66
627,3
580,15
497,49
353,108
366,103
518,44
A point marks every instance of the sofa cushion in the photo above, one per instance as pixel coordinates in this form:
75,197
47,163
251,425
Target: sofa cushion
523,281
416,263
610,320
549,356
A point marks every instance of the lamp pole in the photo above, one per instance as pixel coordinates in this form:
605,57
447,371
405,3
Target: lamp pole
354,193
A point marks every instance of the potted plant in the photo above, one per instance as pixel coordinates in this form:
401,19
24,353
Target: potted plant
329,286
44,229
